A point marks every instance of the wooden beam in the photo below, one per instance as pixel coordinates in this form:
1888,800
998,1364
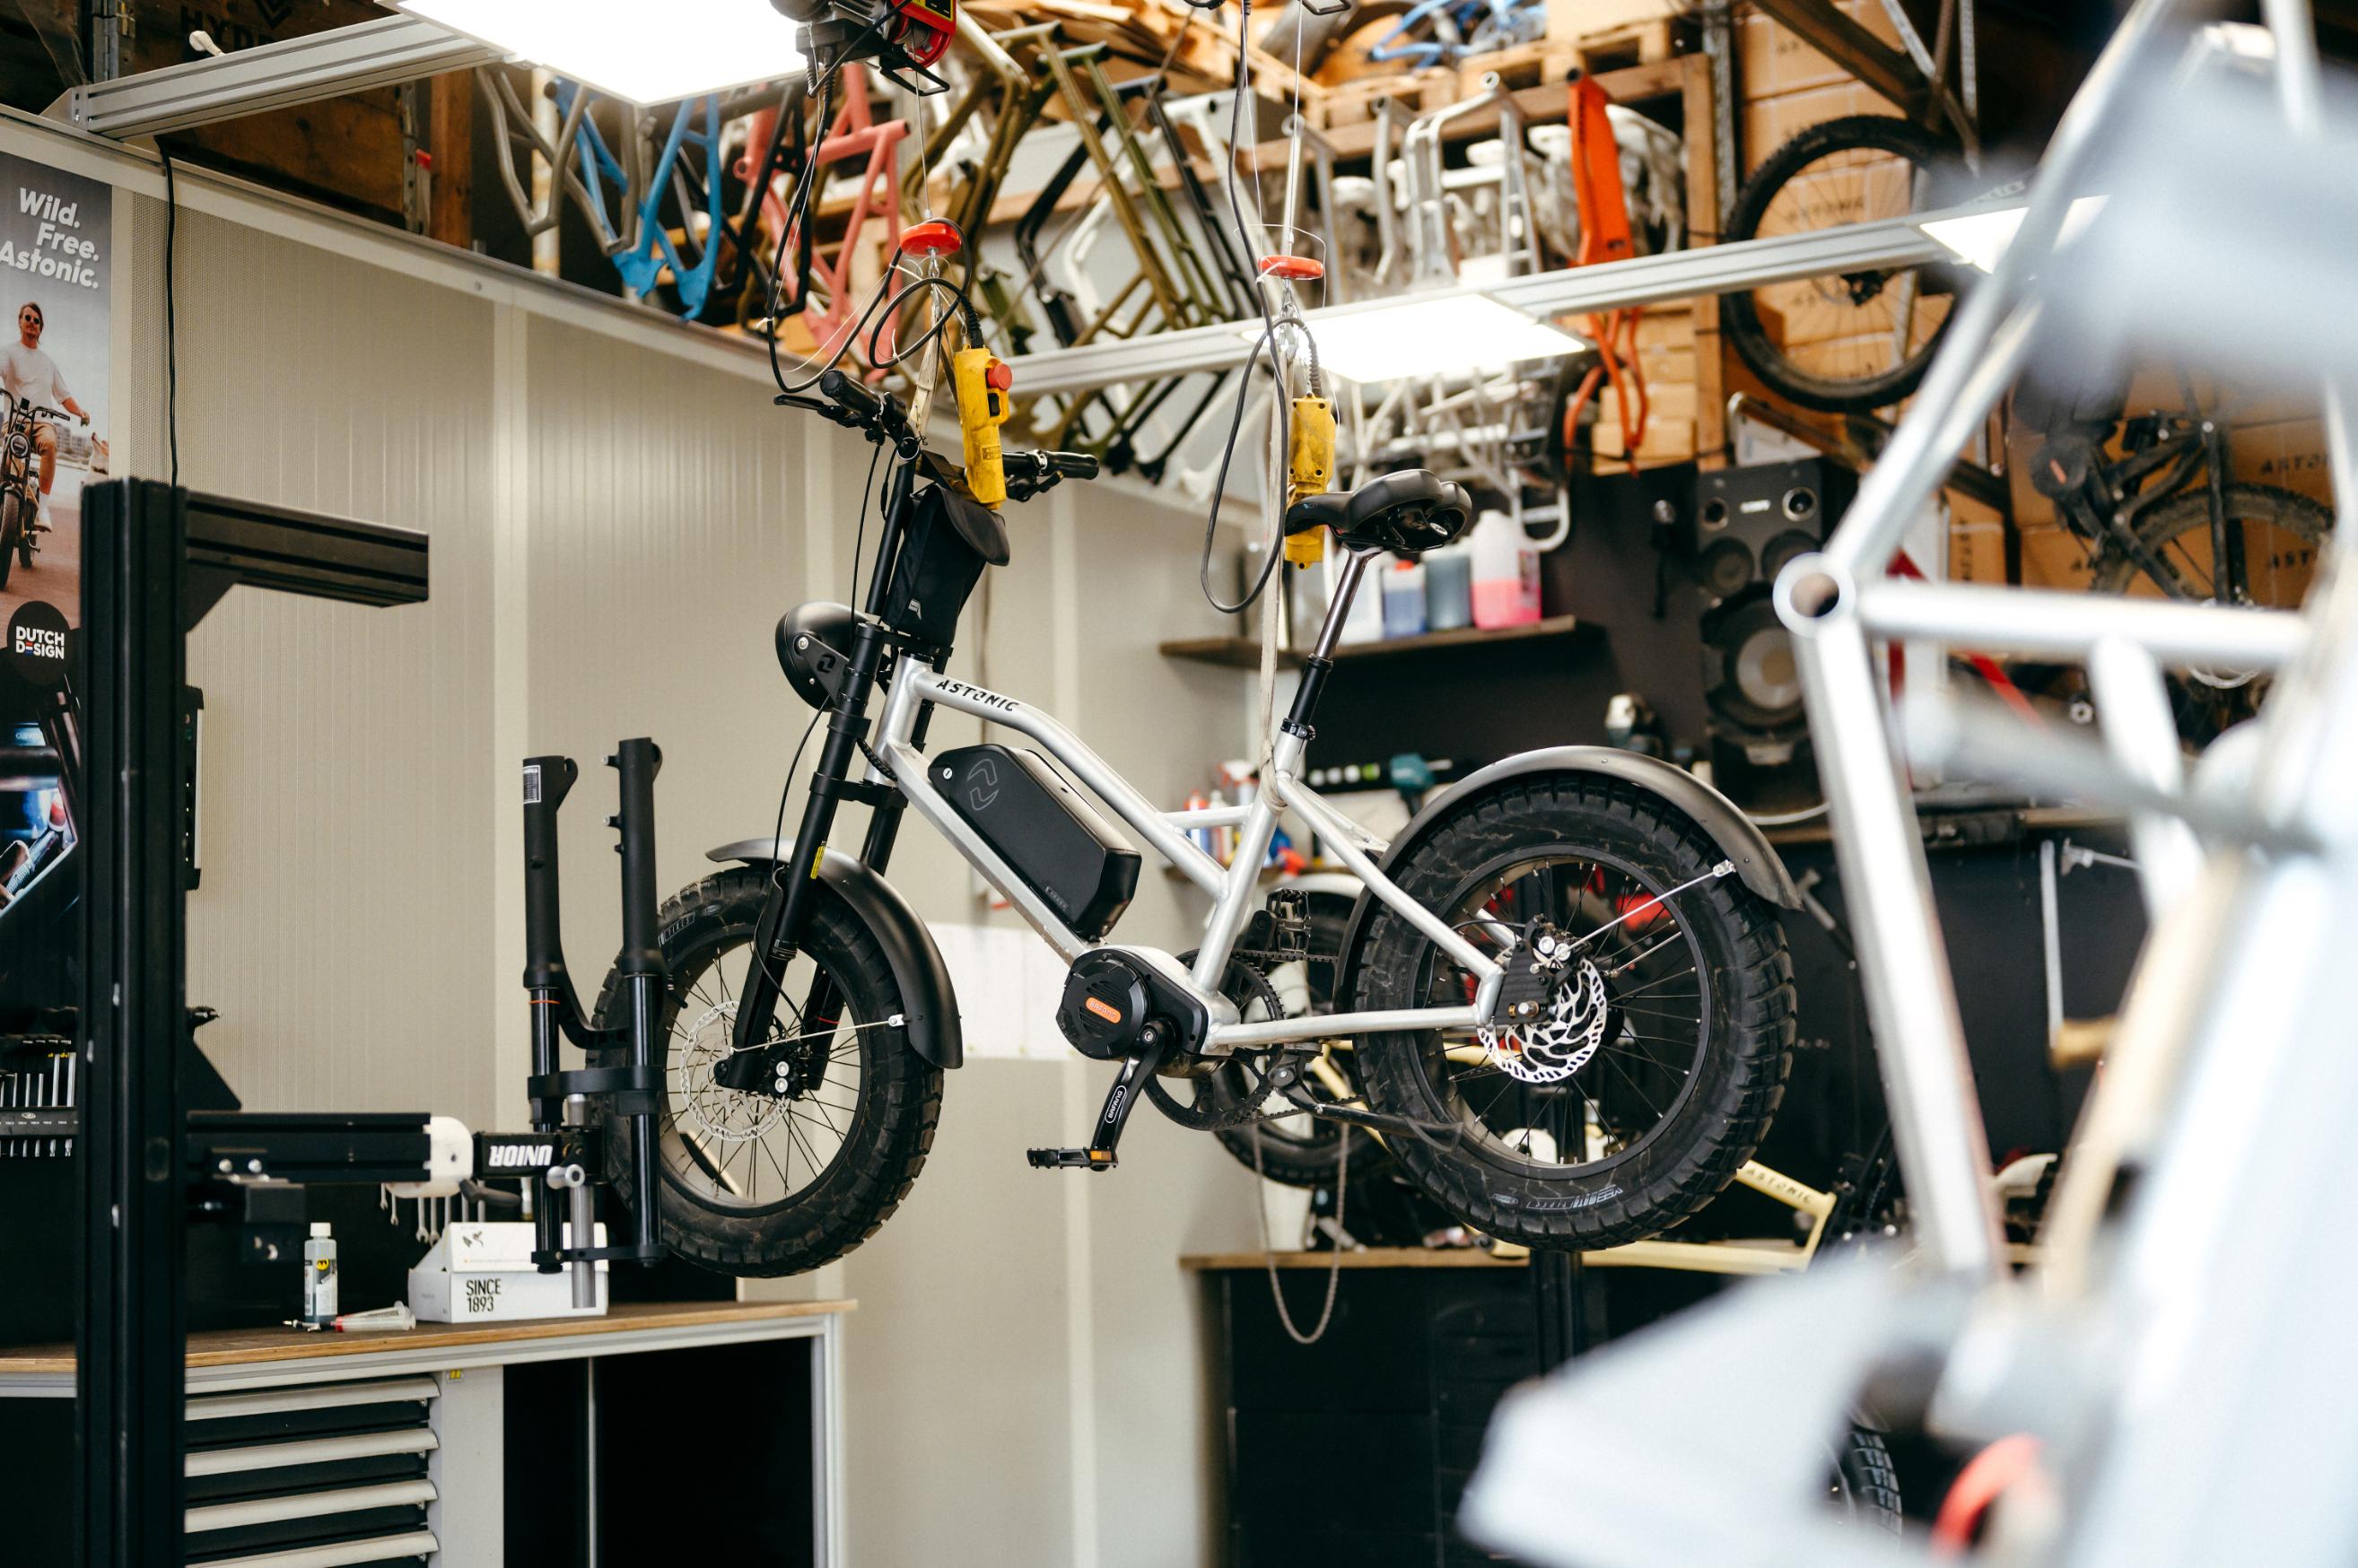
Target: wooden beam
451,136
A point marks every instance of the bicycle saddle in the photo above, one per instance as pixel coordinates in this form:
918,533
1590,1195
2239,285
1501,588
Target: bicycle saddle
1406,512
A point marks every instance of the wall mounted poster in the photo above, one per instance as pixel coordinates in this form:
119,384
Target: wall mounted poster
56,245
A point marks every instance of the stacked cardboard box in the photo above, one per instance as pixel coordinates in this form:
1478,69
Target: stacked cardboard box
1785,86
1666,353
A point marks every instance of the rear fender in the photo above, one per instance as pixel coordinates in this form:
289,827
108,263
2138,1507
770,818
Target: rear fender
1757,862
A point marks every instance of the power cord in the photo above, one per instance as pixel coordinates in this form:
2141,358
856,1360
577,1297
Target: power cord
1266,343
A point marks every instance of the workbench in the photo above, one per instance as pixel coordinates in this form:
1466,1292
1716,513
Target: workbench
409,1444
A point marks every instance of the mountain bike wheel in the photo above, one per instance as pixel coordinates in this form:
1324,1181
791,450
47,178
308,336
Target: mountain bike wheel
763,1184
2284,536
1678,996
1853,341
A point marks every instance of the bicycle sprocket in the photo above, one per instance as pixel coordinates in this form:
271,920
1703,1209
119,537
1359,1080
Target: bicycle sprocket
1231,1093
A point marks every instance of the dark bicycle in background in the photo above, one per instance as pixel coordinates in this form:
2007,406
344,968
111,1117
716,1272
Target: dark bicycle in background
2153,501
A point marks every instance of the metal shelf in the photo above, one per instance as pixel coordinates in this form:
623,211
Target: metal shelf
1647,280
1244,653
271,76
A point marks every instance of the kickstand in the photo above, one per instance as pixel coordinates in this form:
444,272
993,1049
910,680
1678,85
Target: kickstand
1119,1101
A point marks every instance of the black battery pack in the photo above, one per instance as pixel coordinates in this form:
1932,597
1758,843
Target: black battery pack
1045,830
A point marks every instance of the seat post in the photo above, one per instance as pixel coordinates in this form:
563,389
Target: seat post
1321,662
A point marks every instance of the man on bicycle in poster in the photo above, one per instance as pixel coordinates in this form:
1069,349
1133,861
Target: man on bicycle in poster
32,376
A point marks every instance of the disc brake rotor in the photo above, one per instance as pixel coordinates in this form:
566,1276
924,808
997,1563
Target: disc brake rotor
1558,1044
721,1114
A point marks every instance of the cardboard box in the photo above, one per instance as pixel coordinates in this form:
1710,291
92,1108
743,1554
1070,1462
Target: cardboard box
1673,400
1769,124
1976,542
484,1273
1569,21
2290,455
1667,441
2054,557
1770,60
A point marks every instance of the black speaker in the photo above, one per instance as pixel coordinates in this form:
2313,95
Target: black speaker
1749,522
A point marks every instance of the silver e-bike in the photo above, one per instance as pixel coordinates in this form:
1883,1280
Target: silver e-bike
1563,999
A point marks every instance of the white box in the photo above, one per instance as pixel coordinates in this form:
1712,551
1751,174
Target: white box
484,1273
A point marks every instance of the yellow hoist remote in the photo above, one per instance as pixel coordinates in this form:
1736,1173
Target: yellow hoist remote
1310,469
981,381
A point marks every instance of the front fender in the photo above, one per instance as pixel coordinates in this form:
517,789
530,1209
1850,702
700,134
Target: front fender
1757,862
928,1000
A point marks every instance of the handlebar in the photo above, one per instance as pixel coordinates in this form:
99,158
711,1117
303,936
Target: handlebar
1030,473
844,401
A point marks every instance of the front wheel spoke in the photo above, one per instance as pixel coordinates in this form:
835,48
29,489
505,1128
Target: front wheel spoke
795,1134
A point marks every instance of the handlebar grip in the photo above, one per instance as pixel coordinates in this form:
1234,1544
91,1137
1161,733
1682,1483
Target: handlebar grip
1071,465
847,390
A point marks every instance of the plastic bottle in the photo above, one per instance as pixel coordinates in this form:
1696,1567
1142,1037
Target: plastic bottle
1365,621
320,1275
1403,598
1506,573
1449,586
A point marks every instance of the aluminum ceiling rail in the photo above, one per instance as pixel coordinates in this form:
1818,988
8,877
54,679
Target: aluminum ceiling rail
1609,286
271,76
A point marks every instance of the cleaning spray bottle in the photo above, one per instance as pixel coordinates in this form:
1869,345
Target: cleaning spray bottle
1506,573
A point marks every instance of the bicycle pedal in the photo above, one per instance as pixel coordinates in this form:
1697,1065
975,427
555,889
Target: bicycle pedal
1070,1159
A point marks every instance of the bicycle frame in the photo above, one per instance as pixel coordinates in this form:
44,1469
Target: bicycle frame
895,777
1232,886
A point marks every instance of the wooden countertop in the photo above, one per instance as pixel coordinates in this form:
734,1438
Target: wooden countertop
253,1346
1367,1258
1767,1256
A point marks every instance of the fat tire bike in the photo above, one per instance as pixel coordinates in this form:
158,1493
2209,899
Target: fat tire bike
20,482
1565,986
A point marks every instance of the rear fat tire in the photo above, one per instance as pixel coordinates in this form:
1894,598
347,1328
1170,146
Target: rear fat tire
1697,1149
892,1131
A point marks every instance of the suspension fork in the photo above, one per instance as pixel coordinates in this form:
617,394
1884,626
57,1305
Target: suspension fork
794,886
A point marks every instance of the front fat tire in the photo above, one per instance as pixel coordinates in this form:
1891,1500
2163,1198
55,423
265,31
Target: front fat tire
1698,1149
893,1129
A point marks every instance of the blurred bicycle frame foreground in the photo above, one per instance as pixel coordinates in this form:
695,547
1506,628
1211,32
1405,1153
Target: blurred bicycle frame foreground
2179,1353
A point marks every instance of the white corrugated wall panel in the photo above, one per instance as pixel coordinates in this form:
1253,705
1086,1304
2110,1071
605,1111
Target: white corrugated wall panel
344,924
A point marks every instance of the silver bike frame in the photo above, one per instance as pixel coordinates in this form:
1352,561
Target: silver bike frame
1837,603
1165,832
